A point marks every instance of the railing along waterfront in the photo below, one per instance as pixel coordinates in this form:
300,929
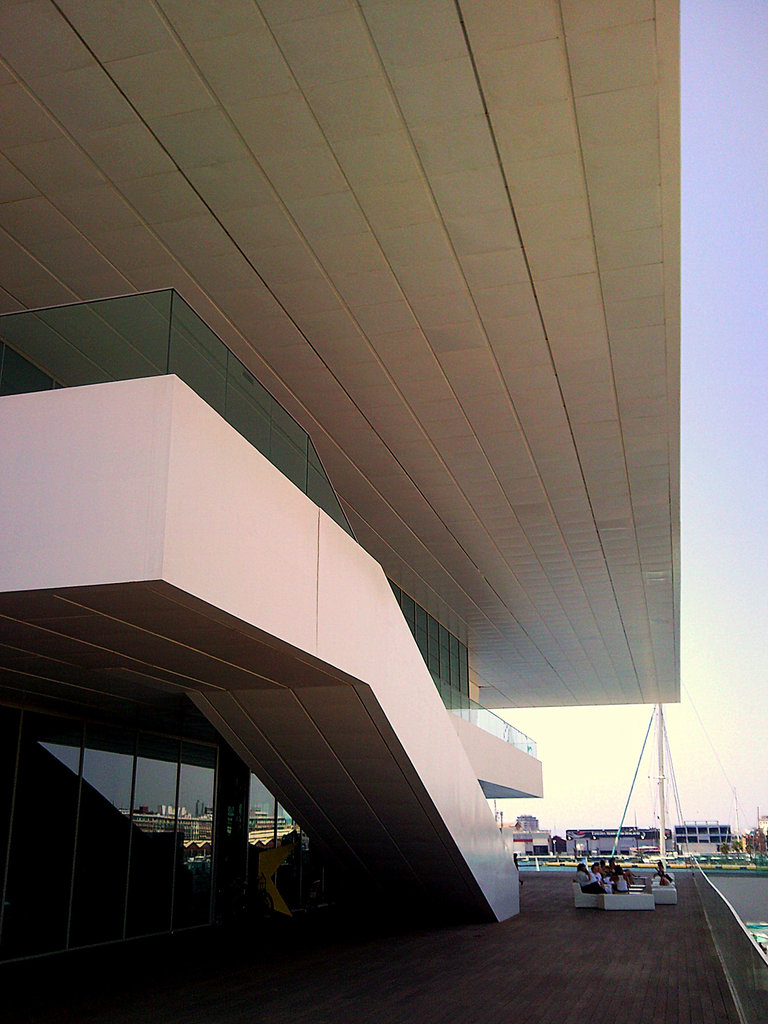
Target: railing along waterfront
745,964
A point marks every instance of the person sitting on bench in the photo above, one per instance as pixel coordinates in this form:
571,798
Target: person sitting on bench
600,871
588,880
629,875
619,880
661,874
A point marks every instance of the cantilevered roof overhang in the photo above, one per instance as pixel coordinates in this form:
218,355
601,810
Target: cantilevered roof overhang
446,235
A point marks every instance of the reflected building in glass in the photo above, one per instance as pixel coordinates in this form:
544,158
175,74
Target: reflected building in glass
99,844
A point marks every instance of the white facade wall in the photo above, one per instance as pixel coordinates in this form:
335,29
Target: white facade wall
140,480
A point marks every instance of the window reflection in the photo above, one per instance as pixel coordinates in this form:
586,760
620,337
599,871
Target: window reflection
288,447
261,815
107,833
153,836
142,335
197,355
192,896
271,825
103,839
249,407
19,376
286,825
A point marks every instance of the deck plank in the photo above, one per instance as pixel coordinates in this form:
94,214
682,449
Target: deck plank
552,963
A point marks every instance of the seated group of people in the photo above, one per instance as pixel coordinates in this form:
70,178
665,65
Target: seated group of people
602,877
612,878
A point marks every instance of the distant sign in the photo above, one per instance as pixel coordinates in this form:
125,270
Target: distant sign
609,833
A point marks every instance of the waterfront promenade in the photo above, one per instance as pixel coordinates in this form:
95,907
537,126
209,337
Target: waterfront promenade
551,965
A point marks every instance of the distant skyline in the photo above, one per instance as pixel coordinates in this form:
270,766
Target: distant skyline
589,754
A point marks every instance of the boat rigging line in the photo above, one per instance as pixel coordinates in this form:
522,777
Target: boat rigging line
632,786
731,786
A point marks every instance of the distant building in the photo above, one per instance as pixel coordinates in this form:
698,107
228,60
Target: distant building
534,842
198,828
702,836
528,821
586,842
559,845
267,829
756,839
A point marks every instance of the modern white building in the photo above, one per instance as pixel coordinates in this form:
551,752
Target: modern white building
340,386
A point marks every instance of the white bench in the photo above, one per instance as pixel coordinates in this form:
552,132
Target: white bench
585,899
612,901
664,894
628,901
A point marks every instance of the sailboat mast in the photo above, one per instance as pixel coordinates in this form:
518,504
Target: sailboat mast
736,812
662,801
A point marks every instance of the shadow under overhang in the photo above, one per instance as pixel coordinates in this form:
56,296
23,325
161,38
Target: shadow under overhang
315,736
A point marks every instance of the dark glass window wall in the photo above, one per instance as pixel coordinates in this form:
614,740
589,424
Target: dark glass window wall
109,833
301,878
146,335
104,833
269,824
18,376
446,657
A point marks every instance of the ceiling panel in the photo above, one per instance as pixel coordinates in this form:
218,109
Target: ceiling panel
450,247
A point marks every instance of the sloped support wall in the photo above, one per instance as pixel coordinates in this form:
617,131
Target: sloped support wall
191,559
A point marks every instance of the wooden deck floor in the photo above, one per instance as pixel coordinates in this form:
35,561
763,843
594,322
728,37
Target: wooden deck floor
551,965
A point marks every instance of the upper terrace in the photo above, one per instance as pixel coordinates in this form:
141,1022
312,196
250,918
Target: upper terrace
154,333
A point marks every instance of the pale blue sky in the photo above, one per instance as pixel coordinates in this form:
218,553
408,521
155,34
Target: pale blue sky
589,755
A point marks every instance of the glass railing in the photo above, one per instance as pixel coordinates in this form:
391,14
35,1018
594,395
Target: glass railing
147,335
475,713
746,965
